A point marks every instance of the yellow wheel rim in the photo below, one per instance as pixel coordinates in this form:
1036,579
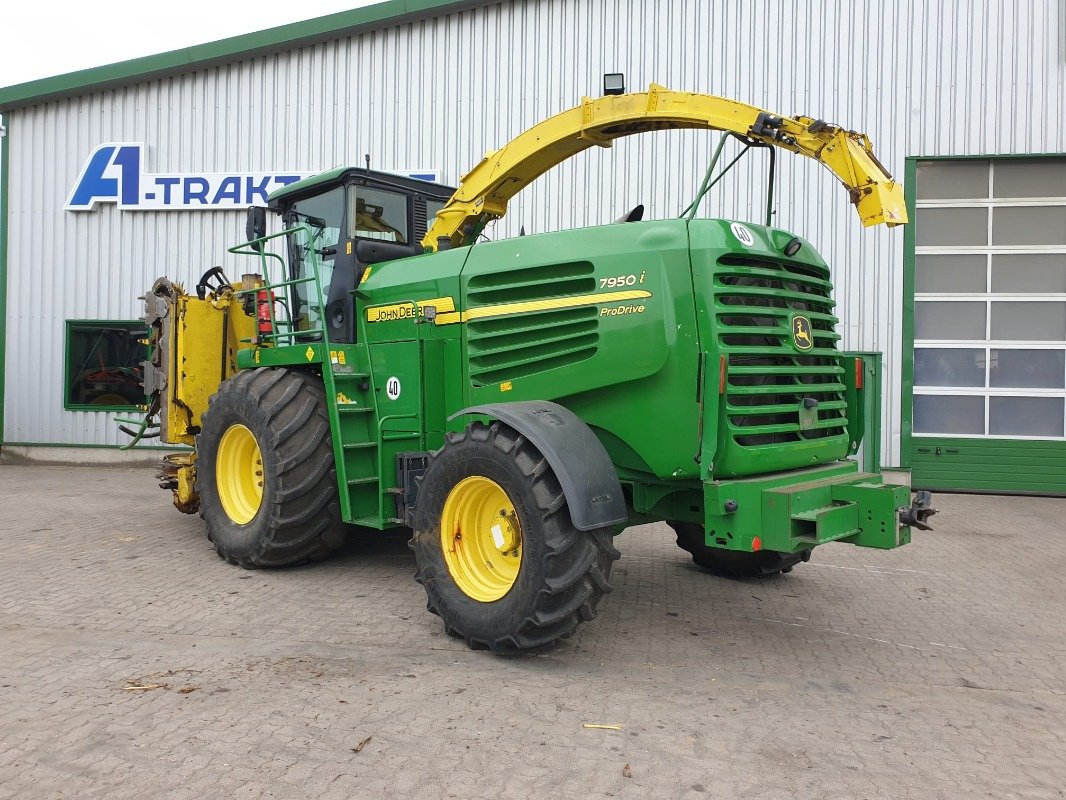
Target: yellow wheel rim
481,538
239,474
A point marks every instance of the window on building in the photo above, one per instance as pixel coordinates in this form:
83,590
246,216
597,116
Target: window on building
990,298
103,365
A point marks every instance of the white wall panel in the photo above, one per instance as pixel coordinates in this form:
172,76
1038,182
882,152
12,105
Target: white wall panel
922,77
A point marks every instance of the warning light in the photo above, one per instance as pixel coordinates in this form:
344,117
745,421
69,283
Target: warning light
756,544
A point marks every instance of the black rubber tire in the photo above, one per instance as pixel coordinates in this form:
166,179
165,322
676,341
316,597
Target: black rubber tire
299,518
564,572
733,563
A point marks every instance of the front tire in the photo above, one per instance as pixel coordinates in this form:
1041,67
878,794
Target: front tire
733,563
265,471
496,550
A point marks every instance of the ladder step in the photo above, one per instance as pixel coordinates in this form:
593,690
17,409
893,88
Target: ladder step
357,481
345,408
349,376
359,445
399,437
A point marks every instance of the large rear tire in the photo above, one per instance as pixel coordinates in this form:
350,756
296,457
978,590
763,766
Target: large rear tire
733,563
265,470
496,550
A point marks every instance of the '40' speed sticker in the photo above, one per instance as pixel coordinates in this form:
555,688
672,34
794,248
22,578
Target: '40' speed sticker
743,235
392,388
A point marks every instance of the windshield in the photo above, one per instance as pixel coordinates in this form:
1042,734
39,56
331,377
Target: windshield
324,215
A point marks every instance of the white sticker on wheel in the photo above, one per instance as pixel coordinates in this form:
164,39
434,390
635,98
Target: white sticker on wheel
497,536
392,388
743,234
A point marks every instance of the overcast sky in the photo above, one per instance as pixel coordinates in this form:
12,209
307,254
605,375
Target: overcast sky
41,38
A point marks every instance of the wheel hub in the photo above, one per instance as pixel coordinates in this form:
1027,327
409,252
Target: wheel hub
505,531
481,538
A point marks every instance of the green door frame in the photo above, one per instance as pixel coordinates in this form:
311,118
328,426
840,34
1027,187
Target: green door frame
5,214
990,449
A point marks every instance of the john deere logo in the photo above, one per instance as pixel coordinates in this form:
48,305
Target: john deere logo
801,333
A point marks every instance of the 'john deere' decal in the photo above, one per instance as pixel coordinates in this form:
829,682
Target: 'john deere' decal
802,336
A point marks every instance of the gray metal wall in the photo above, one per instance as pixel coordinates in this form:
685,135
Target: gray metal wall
929,78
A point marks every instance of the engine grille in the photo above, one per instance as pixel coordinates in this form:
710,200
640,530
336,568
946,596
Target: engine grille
768,378
516,346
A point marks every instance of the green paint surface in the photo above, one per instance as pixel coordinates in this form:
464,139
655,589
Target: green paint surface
676,343
5,215
1011,466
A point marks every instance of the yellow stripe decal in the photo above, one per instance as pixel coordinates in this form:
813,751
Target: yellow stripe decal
447,315
551,304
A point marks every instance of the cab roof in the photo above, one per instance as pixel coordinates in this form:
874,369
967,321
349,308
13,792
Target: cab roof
340,174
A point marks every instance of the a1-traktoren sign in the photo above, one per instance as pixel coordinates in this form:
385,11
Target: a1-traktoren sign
114,173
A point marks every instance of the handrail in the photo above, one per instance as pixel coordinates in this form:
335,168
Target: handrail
257,247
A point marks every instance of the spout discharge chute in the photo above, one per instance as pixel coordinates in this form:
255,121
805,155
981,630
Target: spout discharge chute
484,192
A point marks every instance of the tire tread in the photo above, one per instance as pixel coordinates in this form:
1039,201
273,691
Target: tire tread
571,593
303,523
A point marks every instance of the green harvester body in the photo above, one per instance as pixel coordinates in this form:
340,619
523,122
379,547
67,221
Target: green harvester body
704,360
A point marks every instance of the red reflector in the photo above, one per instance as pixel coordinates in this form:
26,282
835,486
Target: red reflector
721,374
756,544
858,373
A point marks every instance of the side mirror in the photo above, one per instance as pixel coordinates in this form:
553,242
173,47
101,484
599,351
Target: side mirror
256,226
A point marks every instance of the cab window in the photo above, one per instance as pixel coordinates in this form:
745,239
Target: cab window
377,214
324,215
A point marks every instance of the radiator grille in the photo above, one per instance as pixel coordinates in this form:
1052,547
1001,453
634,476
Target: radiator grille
768,378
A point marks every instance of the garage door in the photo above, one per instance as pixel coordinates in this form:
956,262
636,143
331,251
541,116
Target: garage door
989,368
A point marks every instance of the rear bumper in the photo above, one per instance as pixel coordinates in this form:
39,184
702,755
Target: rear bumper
797,510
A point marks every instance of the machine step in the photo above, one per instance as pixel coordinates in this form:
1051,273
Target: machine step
359,481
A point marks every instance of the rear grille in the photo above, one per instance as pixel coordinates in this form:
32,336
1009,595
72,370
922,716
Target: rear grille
768,377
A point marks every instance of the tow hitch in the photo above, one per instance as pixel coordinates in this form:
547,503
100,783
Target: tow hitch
920,510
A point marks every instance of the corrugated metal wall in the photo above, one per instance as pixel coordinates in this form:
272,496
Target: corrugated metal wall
930,78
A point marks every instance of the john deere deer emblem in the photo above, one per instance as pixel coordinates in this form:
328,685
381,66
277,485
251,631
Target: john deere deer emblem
801,333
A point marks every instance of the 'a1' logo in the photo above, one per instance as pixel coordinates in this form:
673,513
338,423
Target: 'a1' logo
113,172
